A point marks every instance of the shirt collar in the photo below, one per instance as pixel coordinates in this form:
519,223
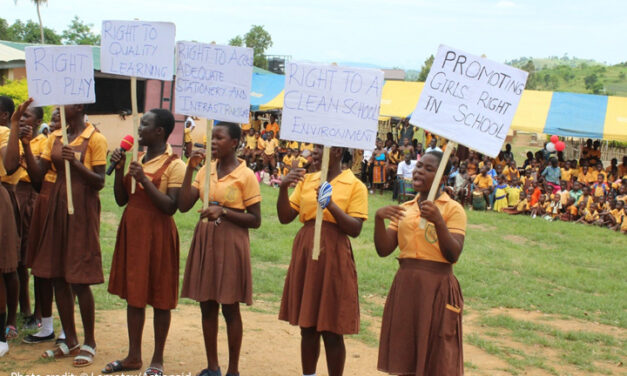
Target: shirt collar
87,132
214,167
444,198
345,177
168,150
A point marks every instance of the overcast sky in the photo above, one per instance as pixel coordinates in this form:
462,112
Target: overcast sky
385,33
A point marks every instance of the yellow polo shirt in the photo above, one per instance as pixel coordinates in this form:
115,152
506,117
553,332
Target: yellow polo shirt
95,155
269,146
251,142
349,193
37,145
423,244
12,179
237,190
173,175
483,182
306,146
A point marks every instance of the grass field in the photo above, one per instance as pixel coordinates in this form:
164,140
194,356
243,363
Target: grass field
525,282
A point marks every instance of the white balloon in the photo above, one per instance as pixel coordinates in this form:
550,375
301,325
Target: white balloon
550,147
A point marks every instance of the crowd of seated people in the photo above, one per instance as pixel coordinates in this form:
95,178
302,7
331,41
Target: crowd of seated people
546,186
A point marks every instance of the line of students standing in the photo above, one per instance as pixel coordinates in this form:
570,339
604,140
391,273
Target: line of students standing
421,330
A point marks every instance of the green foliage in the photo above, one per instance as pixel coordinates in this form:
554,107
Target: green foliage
4,29
532,80
236,41
18,91
586,76
552,62
426,68
27,32
412,75
259,40
592,83
79,32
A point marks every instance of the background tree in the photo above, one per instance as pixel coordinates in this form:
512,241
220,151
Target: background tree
236,41
79,32
259,40
532,79
42,33
426,67
30,32
4,29
593,84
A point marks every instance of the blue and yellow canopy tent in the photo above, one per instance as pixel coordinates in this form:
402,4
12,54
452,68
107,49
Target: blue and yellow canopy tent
555,113
265,88
572,115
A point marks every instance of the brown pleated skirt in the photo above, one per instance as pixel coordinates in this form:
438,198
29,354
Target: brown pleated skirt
421,330
40,209
145,266
9,231
218,265
322,293
69,245
26,197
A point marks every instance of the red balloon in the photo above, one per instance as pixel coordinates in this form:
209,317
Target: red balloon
560,146
554,139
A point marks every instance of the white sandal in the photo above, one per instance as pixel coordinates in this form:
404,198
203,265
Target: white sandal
65,352
89,359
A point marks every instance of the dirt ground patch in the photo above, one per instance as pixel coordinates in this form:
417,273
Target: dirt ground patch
515,239
481,227
270,346
571,324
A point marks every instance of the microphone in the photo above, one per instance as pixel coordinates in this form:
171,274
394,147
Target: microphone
125,145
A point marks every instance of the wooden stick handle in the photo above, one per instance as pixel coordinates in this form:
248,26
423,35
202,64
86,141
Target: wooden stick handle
68,178
438,176
135,127
324,171
205,202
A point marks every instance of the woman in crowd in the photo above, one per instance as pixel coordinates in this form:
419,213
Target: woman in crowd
320,296
421,332
218,270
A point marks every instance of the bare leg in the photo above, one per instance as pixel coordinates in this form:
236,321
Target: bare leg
234,332
161,324
65,306
24,298
4,346
309,349
46,293
336,353
88,314
12,284
135,318
3,307
209,310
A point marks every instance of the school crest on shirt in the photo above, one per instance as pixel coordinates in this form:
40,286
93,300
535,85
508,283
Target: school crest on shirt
231,194
430,234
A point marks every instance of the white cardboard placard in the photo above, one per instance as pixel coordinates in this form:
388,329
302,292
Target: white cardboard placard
469,99
60,75
138,49
213,81
331,105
